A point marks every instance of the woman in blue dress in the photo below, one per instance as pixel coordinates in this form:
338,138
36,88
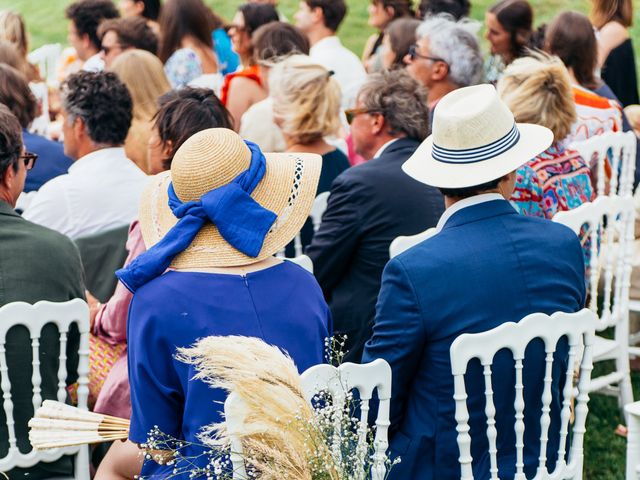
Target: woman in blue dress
212,225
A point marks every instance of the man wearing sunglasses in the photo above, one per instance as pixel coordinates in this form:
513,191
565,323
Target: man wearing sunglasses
35,264
373,203
445,57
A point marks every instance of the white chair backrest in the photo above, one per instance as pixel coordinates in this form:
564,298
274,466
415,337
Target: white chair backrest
337,381
304,261
402,243
622,149
47,58
34,318
579,330
318,208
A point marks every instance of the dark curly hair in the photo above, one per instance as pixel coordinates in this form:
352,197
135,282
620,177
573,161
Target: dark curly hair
10,140
184,112
103,103
86,15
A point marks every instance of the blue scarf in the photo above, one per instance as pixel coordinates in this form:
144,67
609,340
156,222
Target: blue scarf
241,221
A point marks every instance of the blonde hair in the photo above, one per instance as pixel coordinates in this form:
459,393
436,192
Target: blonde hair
12,29
306,99
605,11
143,74
537,89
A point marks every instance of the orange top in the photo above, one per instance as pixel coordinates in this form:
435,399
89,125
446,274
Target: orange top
251,72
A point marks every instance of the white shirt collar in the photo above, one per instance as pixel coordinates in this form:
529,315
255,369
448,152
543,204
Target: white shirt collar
327,42
464,203
97,158
94,64
384,147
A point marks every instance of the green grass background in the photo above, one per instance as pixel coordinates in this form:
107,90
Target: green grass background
604,452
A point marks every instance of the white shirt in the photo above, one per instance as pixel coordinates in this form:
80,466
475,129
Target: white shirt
101,192
257,125
347,67
93,64
464,203
384,147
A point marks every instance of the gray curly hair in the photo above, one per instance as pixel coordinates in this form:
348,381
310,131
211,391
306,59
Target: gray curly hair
456,43
400,99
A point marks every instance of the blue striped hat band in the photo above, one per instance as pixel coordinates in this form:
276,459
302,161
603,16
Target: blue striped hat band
477,154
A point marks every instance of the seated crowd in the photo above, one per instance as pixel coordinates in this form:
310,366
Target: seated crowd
210,142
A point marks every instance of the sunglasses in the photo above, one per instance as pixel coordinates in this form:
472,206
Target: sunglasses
352,113
413,54
29,159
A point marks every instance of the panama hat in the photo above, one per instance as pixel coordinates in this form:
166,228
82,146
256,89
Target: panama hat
211,159
475,140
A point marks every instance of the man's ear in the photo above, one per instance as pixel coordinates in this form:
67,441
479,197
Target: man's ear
378,124
79,128
439,71
167,148
318,15
139,6
8,177
86,41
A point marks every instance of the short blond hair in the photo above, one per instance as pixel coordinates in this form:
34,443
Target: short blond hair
12,29
537,89
143,74
306,99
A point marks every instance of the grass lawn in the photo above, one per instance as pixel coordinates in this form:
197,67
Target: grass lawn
604,452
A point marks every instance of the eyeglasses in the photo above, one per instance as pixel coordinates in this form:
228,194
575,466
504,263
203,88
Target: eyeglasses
29,159
413,54
352,113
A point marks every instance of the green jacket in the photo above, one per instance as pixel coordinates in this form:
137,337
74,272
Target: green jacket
36,263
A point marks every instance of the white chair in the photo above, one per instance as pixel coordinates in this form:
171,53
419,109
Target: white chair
336,381
318,208
633,441
34,318
304,261
579,331
402,243
47,58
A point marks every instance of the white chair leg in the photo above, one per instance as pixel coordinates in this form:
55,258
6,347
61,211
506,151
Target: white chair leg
633,441
82,471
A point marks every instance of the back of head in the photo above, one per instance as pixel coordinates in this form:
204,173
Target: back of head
12,29
333,12
256,15
86,15
456,43
184,112
456,8
151,9
10,56
181,18
306,99
132,32
605,11
402,34
10,140
277,40
143,74
400,99
537,89
516,17
16,95
102,102
570,36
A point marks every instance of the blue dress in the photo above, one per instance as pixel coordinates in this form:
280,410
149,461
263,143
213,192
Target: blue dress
282,304
51,160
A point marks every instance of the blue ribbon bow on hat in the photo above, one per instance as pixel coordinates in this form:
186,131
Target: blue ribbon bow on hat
241,221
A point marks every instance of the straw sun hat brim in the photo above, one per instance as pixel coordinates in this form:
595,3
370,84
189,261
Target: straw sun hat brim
288,189
534,139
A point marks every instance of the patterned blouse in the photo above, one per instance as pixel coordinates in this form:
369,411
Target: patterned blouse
182,67
556,180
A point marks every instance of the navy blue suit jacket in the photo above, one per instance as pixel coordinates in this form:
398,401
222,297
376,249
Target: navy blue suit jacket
51,160
487,266
369,206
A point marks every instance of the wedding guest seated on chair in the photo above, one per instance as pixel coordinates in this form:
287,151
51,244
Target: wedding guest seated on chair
487,265
103,187
223,279
373,203
16,94
35,264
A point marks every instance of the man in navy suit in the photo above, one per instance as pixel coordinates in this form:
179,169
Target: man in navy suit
486,265
373,203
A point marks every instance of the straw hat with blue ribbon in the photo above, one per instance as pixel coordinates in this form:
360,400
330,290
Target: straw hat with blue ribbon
475,140
224,203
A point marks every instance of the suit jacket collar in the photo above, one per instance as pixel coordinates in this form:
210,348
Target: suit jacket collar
399,144
6,209
479,211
